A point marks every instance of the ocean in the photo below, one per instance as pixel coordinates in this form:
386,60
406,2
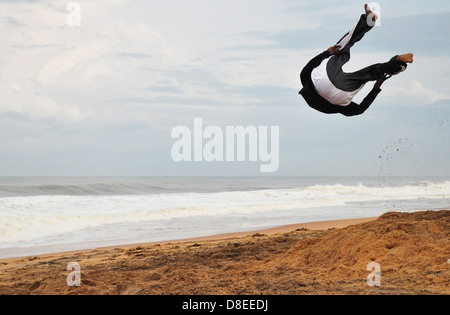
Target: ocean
49,215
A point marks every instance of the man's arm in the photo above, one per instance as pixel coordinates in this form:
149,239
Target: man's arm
305,76
354,109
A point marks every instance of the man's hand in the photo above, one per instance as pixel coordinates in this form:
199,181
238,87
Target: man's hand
381,80
334,50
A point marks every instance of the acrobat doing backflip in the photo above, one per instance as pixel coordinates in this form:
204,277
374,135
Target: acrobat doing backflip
328,89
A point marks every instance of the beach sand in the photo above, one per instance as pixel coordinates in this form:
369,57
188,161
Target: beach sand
412,249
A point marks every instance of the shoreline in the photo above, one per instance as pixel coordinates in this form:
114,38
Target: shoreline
320,258
314,226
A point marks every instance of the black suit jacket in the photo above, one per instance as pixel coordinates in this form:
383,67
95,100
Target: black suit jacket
317,102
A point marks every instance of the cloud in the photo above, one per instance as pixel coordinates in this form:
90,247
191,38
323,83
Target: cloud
395,34
415,93
53,70
418,91
103,98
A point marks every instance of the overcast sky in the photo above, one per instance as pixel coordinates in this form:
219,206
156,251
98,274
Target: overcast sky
102,99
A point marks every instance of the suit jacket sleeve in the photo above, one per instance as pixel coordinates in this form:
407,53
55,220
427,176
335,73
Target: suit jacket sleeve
354,109
305,75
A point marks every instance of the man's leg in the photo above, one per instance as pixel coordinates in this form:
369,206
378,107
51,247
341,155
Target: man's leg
364,24
353,81
335,64
355,34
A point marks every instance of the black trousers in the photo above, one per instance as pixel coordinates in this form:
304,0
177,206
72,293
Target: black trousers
350,82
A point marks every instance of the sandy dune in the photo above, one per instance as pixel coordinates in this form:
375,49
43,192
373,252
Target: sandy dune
412,250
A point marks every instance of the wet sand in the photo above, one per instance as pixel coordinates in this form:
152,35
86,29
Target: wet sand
412,249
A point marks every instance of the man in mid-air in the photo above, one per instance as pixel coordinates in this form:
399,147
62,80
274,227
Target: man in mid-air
328,89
